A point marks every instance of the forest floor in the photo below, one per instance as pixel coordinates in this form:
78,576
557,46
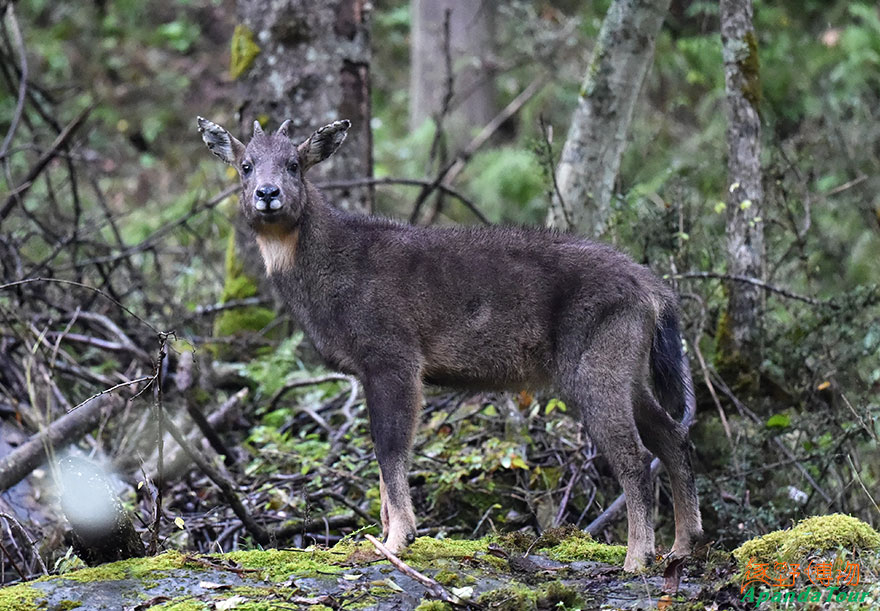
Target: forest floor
564,569
488,573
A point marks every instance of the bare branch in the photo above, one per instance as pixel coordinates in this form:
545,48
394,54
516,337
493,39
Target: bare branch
755,282
19,191
22,86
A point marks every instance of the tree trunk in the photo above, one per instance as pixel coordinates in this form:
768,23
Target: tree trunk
745,195
597,137
471,30
309,61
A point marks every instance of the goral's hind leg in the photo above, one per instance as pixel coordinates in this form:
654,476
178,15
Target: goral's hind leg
596,374
668,439
393,399
383,512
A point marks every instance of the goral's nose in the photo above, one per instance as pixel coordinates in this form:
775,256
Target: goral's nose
266,197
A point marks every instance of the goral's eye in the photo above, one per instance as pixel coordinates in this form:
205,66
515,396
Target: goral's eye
292,166
247,168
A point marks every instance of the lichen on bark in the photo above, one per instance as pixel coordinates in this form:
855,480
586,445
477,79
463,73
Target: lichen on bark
750,67
244,51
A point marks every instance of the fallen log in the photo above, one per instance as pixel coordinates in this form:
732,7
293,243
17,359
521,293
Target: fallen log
19,463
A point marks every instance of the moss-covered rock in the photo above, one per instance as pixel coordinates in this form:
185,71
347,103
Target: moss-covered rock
136,568
556,595
278,565
425,550
816,534
514,597
570,544
19,597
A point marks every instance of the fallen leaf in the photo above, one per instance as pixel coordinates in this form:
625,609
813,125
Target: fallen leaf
210,585
230,603
672,575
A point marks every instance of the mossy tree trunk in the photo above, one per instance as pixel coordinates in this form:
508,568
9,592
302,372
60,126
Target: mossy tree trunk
308,62
597,136
745,194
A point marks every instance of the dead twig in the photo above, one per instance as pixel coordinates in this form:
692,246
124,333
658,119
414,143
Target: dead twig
434,588
155,237
290,385
19,191
13,522
175,459
159,409
16,465
115,302
861,483
414,182
745,411
547,140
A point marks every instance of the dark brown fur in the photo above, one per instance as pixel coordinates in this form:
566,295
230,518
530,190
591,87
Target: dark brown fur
500,308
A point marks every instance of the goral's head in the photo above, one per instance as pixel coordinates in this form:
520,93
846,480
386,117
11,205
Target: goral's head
272,168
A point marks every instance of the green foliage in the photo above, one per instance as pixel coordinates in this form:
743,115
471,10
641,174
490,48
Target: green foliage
509,185
778,421
270,371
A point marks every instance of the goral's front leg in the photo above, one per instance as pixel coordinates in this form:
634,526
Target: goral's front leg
393,400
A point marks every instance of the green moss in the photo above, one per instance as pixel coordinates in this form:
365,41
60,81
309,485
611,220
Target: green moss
514,597
244,51
261,591
230,322
751,70
730,362
433,605
816,534
582,546
281,564
515,541
239,285
569,543
188,604
426,549
447,577
136,568
20,597
66,605
556,594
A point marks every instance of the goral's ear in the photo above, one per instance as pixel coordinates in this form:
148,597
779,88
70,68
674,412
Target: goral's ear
221,142
322,143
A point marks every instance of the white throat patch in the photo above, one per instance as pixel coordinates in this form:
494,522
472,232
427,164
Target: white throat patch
278,249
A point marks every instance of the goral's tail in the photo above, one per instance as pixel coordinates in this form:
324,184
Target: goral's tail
670,368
